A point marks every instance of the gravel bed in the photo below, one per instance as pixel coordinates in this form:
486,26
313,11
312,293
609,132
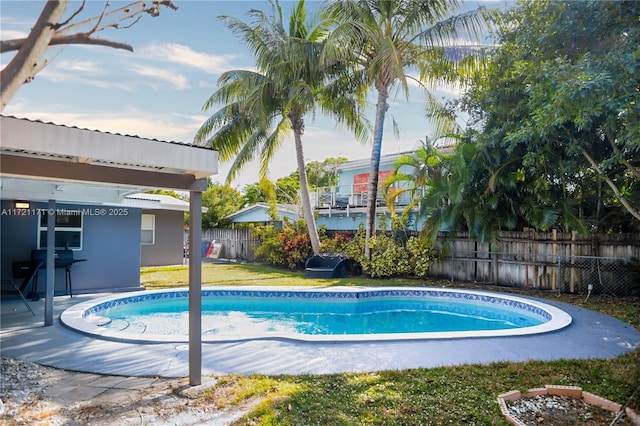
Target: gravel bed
554,410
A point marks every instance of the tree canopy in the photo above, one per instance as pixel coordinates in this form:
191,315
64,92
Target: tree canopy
554,133
285,190
220,200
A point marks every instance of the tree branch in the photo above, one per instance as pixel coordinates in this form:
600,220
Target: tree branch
622,160
49,31
73,15
78,38
32,50
634,212
119,15
62,34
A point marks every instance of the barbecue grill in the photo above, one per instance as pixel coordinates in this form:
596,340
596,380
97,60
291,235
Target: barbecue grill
63,259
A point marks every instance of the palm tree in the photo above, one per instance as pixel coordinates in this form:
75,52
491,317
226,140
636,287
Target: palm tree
387,40
262,107
412,176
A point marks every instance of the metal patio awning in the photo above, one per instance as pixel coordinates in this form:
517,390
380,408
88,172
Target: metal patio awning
57,163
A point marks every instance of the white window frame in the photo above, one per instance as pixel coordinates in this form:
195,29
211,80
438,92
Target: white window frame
61,228
148,228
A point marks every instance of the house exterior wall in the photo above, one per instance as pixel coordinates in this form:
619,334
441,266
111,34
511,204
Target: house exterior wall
111,245
342,222
169,233
352,185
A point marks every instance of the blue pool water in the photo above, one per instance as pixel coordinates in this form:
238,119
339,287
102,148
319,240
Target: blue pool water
314,314
236,315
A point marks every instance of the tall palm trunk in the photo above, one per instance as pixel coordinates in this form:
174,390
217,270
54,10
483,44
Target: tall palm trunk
372,188
309,219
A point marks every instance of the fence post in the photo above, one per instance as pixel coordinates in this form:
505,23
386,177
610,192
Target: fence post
572,277
554,253
558,278
452,266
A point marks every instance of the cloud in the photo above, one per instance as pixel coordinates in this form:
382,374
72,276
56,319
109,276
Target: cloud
66,75
177,80
8,34
79,66
184,55
130,121
449,90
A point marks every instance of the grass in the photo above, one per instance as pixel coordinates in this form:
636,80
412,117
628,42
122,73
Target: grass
437,396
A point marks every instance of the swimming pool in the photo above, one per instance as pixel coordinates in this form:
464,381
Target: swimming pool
314,314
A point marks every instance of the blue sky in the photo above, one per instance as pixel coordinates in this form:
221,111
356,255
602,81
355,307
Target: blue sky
158,90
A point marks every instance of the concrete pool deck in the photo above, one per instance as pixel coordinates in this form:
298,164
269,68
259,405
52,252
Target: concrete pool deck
23,336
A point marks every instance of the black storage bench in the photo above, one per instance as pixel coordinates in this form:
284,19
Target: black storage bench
334,265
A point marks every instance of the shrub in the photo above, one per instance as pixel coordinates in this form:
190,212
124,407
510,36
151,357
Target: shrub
351,245
289,247
336,244
422,255
270,250
297,245
387,258
394,253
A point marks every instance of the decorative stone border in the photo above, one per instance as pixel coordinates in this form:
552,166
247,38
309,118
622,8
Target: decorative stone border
568,391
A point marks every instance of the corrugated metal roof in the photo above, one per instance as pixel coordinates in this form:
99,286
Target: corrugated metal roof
102,131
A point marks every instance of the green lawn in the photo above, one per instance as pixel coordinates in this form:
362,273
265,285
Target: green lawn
438,396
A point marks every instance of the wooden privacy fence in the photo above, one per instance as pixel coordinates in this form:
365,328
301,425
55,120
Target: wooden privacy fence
549,261
564,262
237,244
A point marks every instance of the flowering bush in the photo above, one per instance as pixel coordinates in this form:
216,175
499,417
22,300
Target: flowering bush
393,254
289,247
297,245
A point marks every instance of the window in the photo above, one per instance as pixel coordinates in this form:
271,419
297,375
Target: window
68,230
148,229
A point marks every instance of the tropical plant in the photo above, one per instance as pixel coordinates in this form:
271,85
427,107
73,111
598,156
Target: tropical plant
288,247
270,250
386,41
421,254
412,177
285,190
396,254
264,106
560,104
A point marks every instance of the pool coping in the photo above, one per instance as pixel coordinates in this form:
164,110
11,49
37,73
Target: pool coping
80,317
590,335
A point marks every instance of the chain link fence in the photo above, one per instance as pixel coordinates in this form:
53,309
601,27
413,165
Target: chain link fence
611,276
598,275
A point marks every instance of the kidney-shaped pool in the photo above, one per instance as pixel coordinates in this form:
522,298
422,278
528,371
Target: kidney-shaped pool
314,314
